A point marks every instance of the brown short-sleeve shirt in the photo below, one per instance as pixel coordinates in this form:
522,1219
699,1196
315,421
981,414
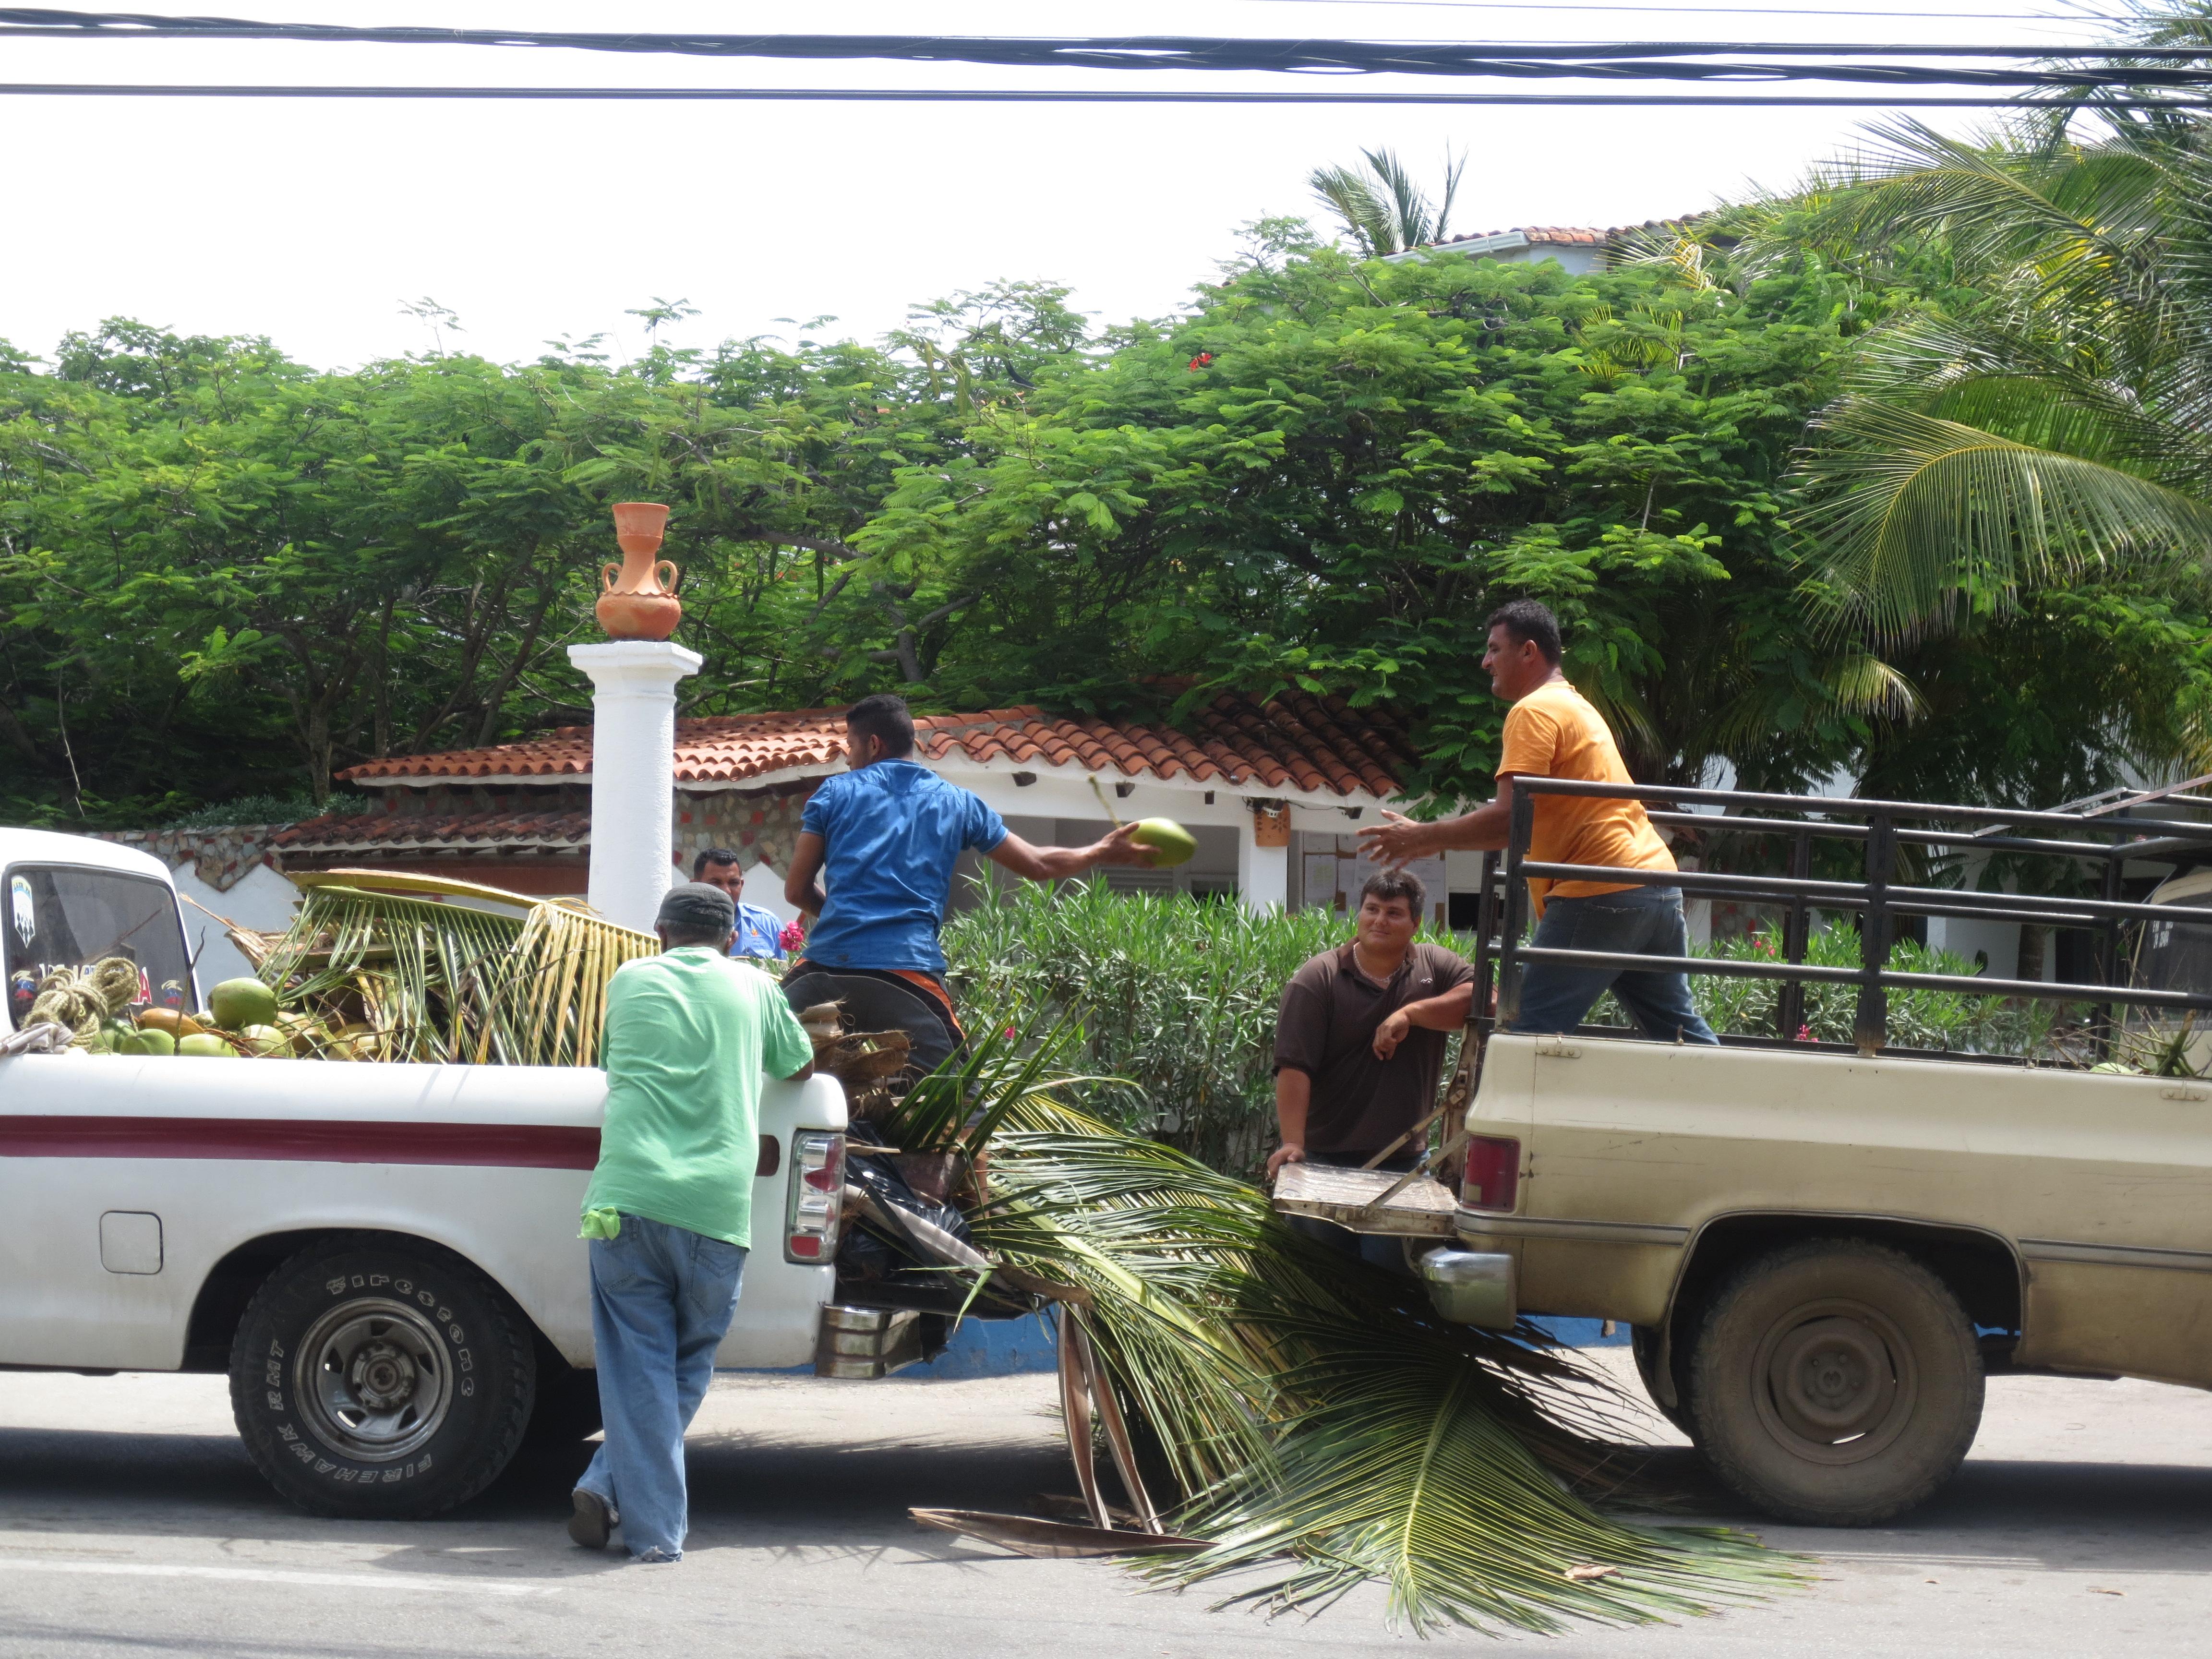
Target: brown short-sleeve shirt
1327,1030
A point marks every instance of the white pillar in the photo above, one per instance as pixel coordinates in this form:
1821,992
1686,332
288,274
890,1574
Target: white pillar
1263,871
633,772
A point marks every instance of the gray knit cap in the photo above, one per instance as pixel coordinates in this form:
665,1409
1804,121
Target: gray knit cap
693,907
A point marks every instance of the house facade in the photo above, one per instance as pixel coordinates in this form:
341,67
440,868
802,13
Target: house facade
1275,792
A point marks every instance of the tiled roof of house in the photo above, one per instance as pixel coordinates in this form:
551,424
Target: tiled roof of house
1571,235
481,832
1294,744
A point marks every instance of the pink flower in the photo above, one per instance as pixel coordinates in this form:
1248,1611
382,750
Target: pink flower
792,936
1804,1034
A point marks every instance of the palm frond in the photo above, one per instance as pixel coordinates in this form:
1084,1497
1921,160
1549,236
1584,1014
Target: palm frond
1915,519
411,977
1356,207
1316,1414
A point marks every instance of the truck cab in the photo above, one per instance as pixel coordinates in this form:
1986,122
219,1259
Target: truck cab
73,901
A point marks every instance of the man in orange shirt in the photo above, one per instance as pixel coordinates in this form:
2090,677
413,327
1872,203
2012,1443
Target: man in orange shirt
1552,732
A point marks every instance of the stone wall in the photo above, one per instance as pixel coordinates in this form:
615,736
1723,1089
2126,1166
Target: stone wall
219,858
760,825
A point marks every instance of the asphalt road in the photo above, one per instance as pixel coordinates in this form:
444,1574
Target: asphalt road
132,1525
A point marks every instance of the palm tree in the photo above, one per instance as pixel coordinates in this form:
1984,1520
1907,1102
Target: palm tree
2057,428
1381,206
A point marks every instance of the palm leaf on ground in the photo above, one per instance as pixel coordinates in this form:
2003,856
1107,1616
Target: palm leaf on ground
1318,1416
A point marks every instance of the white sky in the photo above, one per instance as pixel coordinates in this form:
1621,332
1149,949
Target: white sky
311,221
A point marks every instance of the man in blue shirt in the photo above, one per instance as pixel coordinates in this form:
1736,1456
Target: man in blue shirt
886,836
760,930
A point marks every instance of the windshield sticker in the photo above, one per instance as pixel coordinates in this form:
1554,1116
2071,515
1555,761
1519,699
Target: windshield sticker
27,920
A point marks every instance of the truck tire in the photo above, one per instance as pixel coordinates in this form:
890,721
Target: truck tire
380,1378
1835,1382
1644,1342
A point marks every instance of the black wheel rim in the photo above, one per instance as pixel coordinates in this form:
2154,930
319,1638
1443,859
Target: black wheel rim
1835,1381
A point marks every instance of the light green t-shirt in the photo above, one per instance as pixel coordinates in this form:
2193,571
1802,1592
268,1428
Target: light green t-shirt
688,1034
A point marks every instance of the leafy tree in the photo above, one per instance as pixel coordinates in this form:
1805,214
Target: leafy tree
1328,473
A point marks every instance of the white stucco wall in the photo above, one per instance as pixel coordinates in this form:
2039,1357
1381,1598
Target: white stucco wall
261,899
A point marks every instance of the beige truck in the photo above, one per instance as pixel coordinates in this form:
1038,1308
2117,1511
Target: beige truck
1823,1250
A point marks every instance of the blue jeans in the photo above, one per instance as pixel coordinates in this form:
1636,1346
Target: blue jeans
661,1302
1644,921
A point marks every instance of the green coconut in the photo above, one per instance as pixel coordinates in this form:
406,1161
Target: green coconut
266,1040
1171,843
239,1003
204,1044
150,1041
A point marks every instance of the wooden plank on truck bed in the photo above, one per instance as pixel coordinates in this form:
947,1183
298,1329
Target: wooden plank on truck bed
1331,1193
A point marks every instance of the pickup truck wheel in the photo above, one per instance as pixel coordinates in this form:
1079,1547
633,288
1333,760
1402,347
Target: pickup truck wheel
1835,1382
379,1380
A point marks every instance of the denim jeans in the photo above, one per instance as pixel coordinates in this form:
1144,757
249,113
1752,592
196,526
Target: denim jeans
1645,922
1377,1250
661,1302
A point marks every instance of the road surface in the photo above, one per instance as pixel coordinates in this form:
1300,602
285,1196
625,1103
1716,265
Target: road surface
131,1526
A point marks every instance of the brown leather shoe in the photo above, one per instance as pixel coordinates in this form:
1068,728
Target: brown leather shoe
593,1520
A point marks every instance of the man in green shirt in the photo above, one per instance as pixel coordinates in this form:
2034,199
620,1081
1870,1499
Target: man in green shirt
669,1211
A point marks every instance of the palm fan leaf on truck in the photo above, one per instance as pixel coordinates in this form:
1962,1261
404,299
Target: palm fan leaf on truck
418,968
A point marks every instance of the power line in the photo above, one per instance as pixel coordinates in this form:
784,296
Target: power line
1129,52
1081,95
1716,11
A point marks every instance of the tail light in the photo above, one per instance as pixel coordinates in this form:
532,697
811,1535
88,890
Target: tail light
817,1199
1493,1173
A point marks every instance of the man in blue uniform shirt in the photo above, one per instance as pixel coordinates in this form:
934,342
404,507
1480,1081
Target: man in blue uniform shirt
883,839
760,930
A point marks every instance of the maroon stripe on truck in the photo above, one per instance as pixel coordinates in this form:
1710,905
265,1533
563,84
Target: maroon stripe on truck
315,1140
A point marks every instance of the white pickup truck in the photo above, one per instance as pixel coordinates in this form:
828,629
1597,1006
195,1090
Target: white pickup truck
384,1258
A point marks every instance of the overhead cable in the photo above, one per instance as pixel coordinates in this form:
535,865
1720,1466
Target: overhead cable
1088,95
1130,52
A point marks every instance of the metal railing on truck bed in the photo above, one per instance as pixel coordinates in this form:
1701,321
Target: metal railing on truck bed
2105,839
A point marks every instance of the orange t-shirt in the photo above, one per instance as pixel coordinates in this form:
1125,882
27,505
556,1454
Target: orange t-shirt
1554,732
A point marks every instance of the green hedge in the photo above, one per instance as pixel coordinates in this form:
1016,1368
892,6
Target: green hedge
1176,1001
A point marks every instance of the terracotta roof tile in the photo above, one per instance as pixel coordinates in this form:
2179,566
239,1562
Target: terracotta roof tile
1296,741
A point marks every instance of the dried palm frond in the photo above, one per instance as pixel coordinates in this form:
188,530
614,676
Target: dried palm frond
410,975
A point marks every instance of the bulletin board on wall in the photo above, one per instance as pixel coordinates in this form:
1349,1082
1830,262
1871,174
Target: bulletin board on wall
1334,876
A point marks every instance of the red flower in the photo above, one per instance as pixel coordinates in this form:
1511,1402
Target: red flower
792,936
1804,1034
1200,360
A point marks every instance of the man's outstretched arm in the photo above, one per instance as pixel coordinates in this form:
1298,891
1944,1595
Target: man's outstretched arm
1053,863
1399,840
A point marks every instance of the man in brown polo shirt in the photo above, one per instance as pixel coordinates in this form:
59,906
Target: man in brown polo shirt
1359,1047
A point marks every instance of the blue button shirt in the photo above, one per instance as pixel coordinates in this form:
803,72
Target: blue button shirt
893,832
760,933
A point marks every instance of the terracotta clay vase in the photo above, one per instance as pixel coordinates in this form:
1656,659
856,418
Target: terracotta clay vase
640,603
